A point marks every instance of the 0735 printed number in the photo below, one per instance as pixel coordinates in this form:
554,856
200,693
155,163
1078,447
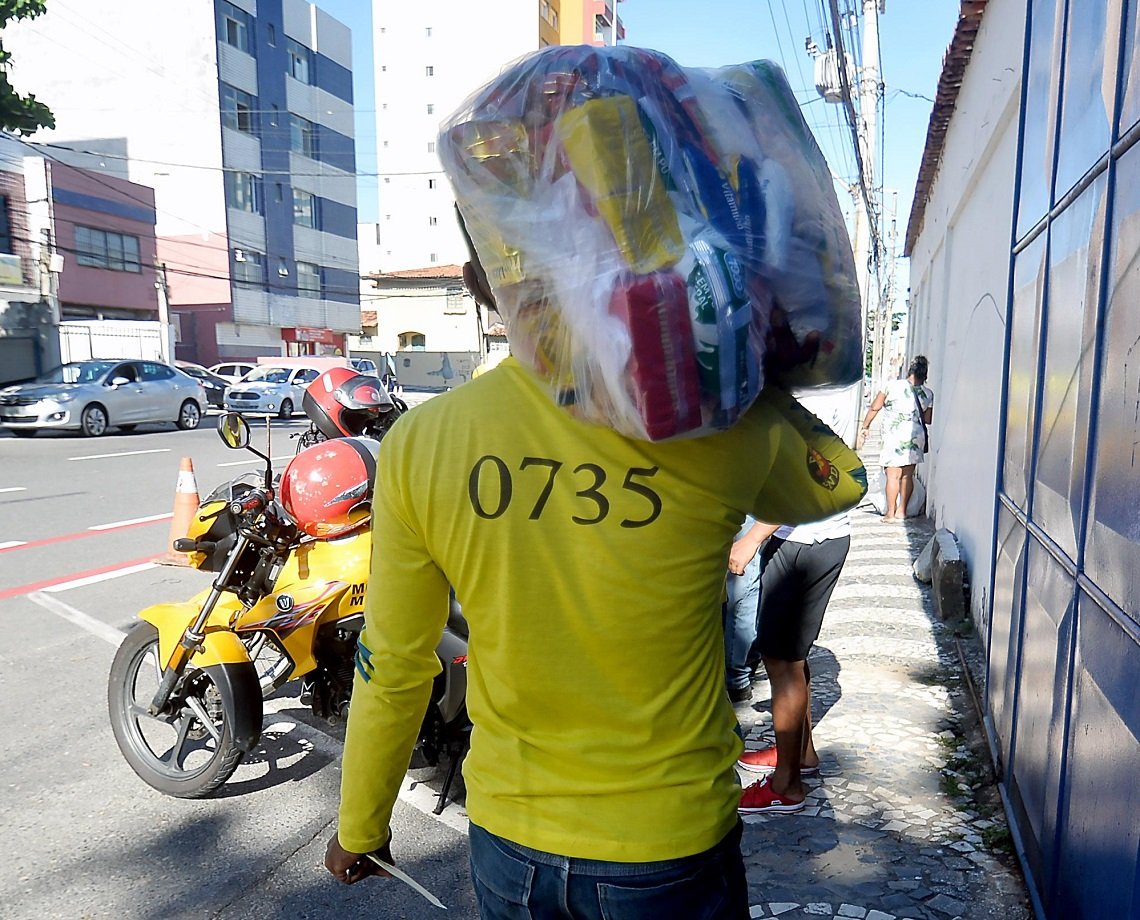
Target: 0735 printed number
491,471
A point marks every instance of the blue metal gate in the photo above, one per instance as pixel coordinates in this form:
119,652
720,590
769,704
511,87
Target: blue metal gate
1064,644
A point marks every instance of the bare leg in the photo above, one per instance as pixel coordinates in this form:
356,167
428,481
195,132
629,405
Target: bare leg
789,703
810,757
892,489
906,487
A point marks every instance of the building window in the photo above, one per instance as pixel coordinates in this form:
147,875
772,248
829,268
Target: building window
302,136
383,68
300,66
274,116
387,180
234,27
433,221
429,70
271,32
104,249
304,209
431,146
456,302
243,192
429,31
282,268
431,109
434,257
237,109
308,279
249,268
384,106
5,226
280,194
412,341
431,183
385,143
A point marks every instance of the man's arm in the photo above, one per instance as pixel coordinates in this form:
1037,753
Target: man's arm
747,546
405,610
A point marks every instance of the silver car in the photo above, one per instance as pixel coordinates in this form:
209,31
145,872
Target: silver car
272,390
92,396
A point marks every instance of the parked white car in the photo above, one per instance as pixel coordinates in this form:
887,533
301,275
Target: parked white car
270,390
92,396
232,371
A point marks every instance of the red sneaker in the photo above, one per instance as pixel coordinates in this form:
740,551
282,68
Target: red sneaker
760,798
764,761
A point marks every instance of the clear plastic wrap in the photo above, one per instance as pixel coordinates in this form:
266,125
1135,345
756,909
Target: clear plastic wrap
662,242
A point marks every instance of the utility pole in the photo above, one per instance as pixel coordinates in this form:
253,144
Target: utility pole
166,347
868,246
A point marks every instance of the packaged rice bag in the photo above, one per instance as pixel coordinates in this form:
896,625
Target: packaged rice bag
662,242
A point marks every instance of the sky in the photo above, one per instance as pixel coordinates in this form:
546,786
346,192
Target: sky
914,35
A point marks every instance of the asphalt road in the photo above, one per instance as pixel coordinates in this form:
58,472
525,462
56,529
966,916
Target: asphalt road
81,521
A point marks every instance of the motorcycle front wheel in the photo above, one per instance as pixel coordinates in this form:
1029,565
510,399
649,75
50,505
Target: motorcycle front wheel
188,753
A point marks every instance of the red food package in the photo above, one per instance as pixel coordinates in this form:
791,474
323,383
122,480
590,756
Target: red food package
662,366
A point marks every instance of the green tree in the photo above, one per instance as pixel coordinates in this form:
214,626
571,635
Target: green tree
22,114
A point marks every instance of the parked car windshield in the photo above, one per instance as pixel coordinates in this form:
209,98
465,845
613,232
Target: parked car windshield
267,375
77,372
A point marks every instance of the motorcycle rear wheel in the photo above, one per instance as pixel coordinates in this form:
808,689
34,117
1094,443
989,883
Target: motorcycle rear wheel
189,754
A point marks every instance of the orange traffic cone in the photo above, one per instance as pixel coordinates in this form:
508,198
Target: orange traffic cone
185,504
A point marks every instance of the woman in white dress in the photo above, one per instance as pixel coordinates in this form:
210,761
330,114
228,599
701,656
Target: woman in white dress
908,408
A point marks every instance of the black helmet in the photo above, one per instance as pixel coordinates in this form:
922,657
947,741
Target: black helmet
345,404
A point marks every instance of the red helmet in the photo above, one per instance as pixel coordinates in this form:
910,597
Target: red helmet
345,404
327,488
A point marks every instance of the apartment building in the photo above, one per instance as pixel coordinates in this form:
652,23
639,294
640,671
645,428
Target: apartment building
239,114
429,57
590,22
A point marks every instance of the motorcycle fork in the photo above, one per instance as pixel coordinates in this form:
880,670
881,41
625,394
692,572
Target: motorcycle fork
193,635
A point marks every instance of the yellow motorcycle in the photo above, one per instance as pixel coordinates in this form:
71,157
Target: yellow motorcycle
186,687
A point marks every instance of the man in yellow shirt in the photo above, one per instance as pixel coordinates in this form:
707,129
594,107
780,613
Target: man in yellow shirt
590,568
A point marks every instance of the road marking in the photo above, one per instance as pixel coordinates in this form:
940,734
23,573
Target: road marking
125,453
15,489
48,541
133,521
100,576
257,460
83,620
69,580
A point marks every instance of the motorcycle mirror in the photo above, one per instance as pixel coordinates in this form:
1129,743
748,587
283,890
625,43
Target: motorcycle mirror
234,431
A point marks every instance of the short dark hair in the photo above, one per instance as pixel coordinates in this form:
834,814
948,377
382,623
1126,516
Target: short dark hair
919,367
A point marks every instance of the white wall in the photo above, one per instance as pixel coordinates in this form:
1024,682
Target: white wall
468,45
959,284
422,309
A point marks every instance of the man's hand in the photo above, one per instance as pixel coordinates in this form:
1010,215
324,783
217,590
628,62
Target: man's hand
743,551
348,867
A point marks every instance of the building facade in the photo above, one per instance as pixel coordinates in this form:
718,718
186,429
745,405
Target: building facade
27,343
1025,242
590,22
430,56
102,229
239,114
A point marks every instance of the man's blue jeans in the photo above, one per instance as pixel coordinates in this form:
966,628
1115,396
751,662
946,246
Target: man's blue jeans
514,882
740,618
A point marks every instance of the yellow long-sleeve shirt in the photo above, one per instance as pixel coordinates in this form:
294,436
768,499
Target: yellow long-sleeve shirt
590,569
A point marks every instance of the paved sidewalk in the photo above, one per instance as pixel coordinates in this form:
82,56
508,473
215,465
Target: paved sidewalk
904,819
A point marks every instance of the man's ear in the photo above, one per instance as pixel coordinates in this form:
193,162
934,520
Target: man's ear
477,287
